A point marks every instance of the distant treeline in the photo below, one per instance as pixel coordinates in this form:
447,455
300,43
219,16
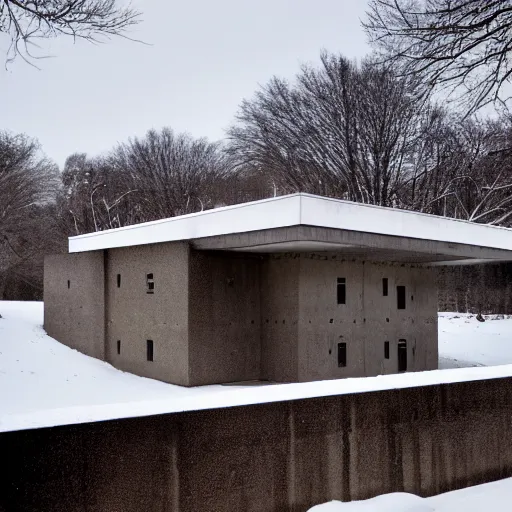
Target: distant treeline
351,131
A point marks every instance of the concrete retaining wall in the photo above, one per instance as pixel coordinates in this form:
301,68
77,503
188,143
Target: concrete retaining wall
272,457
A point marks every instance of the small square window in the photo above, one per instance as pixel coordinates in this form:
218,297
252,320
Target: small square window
150,284
341,291
149,350
400,297
385,286
386,350
402,355
342,355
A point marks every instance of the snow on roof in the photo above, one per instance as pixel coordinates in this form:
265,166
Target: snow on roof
294,210
44,383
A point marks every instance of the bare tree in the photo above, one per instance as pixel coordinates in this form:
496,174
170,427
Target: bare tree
461,46
462,169
93,20
95,196
340,130
172,174
27,185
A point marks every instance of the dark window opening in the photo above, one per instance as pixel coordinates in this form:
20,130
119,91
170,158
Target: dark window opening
149,350
150,284
119,280
385,286
386,350
402,356
342,354
69,283
118,347
400,297
342,290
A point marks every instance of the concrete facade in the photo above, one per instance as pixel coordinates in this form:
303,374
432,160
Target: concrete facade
274,457
288,289
367,321
216,317
135,316
74,301
224,318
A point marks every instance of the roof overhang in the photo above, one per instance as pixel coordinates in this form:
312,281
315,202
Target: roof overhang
306,223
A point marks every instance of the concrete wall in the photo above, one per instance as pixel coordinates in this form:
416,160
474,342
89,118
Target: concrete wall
280,317
75,314
134,316
275,457
367,320
218,317
224,317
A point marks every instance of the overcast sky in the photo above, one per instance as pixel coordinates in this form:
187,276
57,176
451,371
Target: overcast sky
204,57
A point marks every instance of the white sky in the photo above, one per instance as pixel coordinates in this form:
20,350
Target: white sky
204,58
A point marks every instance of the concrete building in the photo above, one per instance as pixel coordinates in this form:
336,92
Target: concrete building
289,289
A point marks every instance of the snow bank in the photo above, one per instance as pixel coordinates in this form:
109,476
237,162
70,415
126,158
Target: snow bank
44,383
492,497
396,502
466,342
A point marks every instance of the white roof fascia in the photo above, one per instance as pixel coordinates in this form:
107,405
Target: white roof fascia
332,213
258,215
294,210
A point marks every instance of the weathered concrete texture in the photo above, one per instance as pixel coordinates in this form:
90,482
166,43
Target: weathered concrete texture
135,316
279,317
364,245
224,318
272,457
217,317
302,323
74,301
367,320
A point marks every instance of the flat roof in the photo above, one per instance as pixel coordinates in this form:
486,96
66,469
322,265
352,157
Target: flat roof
304,210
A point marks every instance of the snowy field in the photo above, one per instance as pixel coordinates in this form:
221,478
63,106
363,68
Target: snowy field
45,383
465,342
493,497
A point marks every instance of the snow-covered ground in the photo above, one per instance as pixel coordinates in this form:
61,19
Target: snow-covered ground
45,383
493,497
466,342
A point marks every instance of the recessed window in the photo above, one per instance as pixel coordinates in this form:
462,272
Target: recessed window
341,291
69,284
118,347
386,350
385,286
402,355
149,350
150,283
119,280
400,297
342,354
